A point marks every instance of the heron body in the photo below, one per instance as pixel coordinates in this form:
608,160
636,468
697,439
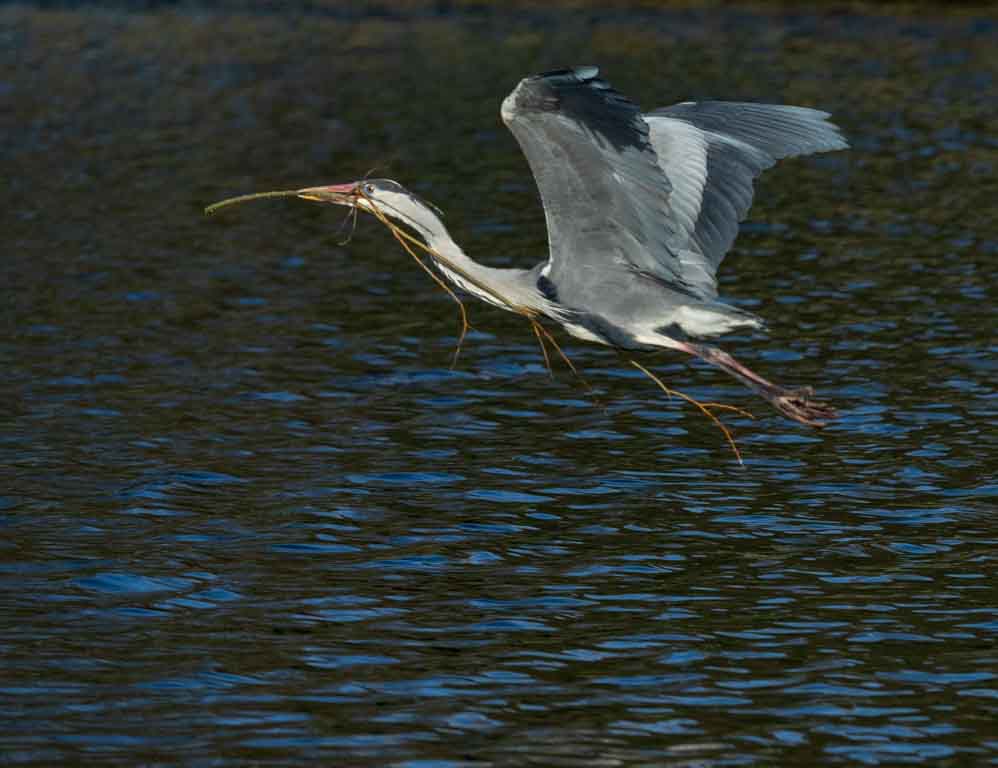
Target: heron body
640,210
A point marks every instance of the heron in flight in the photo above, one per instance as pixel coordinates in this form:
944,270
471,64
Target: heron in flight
640,210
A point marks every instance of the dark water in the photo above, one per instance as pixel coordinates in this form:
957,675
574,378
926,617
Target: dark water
249,516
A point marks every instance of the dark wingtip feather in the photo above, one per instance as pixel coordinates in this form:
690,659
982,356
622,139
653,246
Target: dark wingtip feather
580,94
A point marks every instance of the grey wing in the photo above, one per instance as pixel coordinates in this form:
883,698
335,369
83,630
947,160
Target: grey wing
711,152
605,196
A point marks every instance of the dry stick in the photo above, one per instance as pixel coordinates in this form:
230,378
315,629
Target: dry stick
404,237
539,330
540,340
209,210
726,407
542,333
530,315
397,233
352,218
401,234
405,240
702,406
575,371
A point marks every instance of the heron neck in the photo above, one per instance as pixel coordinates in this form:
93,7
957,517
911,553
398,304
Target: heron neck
506,288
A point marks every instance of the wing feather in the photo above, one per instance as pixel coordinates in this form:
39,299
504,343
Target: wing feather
658,194
605,197
733,143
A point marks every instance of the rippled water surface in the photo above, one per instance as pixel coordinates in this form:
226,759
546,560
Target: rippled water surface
249,516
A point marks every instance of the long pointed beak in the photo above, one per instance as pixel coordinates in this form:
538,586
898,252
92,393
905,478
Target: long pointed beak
338,194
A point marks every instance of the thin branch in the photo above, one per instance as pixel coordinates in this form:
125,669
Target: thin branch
544,350
704,408
563,356
542,333
398,234
726,407
352,218
209,210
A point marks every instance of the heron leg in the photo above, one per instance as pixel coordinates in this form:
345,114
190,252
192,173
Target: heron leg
796,404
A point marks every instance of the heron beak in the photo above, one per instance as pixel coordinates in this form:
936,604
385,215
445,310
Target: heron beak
338,194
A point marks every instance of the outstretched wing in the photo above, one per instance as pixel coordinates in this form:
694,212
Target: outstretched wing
605,196
711,152
659,194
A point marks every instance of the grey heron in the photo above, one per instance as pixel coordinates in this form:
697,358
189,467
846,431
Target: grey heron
640,211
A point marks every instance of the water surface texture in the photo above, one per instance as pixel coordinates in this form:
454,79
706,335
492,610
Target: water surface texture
248,516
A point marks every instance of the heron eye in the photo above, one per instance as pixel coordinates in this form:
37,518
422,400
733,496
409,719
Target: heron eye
368,189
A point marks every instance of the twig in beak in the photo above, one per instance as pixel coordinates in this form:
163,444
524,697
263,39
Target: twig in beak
209,210
542,333
405,239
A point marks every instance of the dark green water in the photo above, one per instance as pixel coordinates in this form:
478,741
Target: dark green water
249,517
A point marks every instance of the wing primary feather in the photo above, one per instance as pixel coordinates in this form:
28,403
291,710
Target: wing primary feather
737,142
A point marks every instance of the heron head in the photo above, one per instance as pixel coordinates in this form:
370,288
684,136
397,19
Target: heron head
383,195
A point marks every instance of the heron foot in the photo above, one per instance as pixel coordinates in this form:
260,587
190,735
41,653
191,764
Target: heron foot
797,404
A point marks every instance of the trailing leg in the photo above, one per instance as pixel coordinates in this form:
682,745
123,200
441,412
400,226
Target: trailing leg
796,404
